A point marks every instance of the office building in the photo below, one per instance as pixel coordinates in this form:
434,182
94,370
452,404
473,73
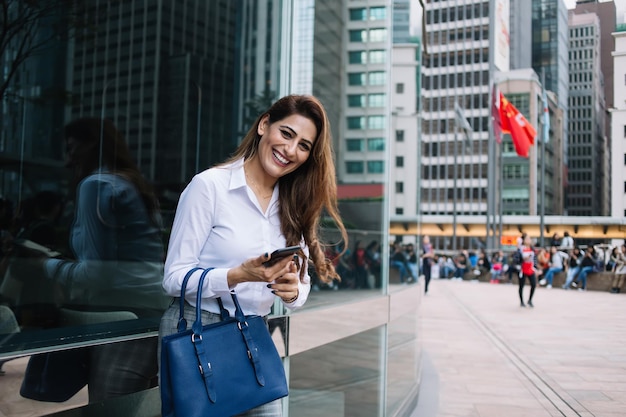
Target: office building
191,47
521,33
522,191
588,190
174,77
401,21
618,134
607,14
365,130
456,70
404,176
328,63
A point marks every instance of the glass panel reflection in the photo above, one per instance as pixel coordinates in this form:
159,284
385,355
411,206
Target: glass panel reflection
343,378
403,362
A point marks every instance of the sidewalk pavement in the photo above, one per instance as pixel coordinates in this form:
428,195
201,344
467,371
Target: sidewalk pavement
485,356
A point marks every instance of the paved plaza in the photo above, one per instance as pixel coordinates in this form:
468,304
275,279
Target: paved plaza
485,356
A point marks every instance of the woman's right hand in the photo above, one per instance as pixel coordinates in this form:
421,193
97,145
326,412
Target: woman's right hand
253,270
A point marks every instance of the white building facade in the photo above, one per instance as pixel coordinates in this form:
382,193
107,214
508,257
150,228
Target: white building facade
364,134
404,181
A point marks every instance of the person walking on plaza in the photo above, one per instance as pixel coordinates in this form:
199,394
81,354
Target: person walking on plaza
557,264
573,267
528,272
620,270
427,260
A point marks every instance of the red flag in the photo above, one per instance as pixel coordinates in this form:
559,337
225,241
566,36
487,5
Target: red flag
514,122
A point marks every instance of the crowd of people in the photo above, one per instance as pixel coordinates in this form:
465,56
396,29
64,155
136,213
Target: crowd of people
561,256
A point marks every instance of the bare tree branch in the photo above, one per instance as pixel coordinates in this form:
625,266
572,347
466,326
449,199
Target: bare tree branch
28,27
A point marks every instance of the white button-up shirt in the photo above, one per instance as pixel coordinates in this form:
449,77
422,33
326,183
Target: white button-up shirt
220,224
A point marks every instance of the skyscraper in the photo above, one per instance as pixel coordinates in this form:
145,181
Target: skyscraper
607,14
144,63
366,120
588,164
456,70
618,115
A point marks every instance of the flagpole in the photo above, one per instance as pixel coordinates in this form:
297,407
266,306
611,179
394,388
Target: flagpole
491,171
454,186
543,167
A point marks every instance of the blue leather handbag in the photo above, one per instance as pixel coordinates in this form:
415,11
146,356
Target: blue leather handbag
222,369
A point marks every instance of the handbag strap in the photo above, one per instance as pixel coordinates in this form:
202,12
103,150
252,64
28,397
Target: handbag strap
182,323
203,362
253,351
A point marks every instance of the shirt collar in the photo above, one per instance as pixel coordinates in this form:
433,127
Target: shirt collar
237,175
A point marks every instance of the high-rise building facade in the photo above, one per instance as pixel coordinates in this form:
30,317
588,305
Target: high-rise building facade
550,58
521,34
365,130
329,61
608,15
191,46
618,135
588,164
404,175
455,70
401,21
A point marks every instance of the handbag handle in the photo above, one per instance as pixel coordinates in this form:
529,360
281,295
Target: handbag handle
182,322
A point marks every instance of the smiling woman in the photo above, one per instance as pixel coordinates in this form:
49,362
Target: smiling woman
269,195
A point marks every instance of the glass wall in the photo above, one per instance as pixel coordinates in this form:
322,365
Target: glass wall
162,90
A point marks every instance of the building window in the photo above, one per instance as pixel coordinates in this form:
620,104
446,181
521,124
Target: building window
625,186
378,13
625,131
376,122
377,78
376,100
354,145
358,14
399,135
625,159
400,88
356,57
356,100
354,167
356,78
376,144
399,161
399,210
356,122
358,35
399,187
378,35
375,167
376,56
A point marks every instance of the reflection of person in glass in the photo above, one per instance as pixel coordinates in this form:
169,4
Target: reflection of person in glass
117,243
269,195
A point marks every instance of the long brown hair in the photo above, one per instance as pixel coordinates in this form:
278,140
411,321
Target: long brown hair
307,192
102,145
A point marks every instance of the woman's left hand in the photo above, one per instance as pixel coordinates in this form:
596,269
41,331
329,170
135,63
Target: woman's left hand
286,287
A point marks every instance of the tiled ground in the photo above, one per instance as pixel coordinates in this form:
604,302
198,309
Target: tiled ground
490,357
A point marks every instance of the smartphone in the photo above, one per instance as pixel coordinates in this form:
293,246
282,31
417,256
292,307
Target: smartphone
279,254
